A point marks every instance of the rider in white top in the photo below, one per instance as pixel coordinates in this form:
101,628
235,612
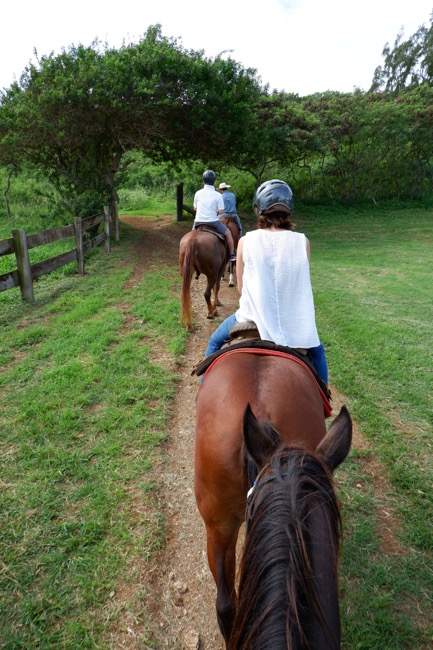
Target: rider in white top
273,275
209,205
282,310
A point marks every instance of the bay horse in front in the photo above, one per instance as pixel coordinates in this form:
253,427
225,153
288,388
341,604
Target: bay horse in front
261,431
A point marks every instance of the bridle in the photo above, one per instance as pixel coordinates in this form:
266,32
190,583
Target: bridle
258,483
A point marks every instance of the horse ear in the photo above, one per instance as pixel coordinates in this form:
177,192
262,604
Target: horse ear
258,443
336,444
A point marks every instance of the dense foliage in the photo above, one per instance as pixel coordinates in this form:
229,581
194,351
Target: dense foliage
373,146
76,114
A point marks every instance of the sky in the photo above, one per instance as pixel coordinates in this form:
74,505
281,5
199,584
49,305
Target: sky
297,46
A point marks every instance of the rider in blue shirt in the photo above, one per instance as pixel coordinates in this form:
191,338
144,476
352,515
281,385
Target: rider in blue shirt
230,205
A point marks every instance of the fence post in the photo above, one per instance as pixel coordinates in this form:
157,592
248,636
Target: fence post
107,212
23,264
115,212
179,201
78,227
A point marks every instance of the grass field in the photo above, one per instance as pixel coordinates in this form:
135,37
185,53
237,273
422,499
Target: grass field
81,393
84,410
373,280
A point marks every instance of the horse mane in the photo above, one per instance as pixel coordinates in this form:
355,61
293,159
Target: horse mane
277,592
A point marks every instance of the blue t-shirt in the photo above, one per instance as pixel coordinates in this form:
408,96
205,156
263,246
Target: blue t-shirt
229,203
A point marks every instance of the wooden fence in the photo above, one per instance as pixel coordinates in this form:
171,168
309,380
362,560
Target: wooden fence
20,244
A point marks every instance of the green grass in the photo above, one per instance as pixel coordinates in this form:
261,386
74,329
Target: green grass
373,283
84,411
31,198
139,202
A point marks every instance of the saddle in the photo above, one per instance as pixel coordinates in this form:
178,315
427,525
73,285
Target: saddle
246,335
227,218
241,332
213,232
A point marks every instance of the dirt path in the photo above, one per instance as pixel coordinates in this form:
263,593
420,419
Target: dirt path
179,590
186,614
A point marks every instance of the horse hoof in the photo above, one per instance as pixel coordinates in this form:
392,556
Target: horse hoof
210,316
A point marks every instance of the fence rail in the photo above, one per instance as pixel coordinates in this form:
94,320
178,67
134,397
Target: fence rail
20,244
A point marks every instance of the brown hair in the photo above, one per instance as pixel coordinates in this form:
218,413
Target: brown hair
277,219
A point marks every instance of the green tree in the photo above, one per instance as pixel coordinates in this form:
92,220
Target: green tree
373,146
334,169
408,64
279,134
77,113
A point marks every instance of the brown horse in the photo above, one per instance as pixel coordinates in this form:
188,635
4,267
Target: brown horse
234,229
232,448
201,251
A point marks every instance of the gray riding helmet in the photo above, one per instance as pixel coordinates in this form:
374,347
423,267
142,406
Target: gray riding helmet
271,193
209,177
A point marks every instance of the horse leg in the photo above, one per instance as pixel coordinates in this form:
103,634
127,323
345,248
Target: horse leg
221,552
217,287
207,297
231,274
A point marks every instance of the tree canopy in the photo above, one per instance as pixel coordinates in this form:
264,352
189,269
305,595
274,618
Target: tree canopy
408,64
76,113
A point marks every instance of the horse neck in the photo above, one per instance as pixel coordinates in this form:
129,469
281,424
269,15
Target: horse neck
290,557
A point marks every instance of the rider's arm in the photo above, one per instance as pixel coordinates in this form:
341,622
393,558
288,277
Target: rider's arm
239,264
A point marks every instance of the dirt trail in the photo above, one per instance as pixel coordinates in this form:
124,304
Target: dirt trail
180,591
186,616
178,587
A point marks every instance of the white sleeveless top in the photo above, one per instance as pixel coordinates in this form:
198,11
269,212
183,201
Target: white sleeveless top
276,288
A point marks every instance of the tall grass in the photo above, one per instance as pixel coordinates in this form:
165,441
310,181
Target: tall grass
33,202
35,206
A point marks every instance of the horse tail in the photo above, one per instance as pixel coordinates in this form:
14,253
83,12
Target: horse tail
187,265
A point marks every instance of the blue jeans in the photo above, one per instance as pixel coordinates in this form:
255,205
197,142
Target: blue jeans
221,334
318,355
